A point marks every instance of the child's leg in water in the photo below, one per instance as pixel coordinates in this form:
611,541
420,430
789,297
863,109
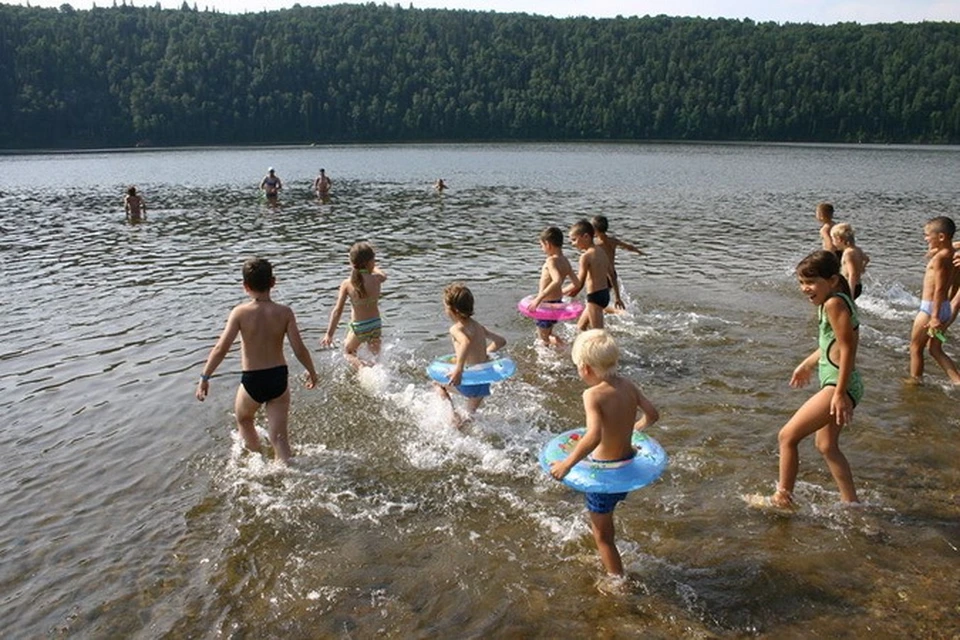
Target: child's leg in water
811,417
444,393
601,524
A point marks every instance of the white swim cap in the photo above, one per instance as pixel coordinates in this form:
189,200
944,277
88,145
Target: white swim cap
269,169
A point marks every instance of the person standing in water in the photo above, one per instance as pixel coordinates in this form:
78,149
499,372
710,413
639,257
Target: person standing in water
135,207
271,185
322,184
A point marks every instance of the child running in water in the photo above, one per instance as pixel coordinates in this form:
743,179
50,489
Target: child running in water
831,408
936,311
853,261
610,403
556,268
825,218
595,273
262,325
472,344
609,244
363,290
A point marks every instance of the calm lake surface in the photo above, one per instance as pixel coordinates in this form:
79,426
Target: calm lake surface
129,510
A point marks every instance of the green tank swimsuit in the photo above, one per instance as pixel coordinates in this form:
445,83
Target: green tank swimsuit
830,372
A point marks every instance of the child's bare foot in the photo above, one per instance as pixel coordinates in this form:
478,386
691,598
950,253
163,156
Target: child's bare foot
913,381
555,341
780,502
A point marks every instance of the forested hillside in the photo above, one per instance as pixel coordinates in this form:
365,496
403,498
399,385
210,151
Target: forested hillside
125,75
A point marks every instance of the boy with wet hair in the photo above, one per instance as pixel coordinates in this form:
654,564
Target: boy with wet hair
262,325
610,403
556,268
595,274
936,312
825,218
609,244
472,343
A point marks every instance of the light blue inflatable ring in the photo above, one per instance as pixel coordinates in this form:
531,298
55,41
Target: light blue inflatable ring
607,477
484,373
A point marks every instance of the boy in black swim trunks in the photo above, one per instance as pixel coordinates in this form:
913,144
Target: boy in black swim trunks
610,404
262,325
595,273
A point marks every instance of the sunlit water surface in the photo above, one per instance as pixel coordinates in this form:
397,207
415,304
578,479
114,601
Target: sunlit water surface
129,510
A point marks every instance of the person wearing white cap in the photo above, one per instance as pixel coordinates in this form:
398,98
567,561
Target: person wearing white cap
271,185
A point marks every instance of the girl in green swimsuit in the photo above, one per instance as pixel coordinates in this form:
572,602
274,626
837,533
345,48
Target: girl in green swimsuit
831,408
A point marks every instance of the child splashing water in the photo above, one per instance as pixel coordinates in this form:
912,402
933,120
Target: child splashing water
363,289
831,408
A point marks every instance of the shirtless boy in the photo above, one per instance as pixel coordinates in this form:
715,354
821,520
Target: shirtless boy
595,273
825,218
610,403
556,268
262,325
853,261
935,309
609,244
135,207
472,344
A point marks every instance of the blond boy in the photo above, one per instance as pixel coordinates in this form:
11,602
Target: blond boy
610,403
853,261
262,325
595,273
935,307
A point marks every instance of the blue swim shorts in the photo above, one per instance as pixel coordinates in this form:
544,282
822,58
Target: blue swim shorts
603,502
474,390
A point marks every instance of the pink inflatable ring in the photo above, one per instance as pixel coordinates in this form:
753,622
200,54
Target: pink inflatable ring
552,311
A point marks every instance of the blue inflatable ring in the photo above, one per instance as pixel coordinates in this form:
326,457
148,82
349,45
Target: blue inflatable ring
484,373
607,477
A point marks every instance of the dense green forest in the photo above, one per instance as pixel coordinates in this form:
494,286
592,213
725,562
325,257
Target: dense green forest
125,75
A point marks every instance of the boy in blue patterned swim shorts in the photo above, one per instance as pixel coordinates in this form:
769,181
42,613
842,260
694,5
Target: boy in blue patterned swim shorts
610,404
262,325
472,344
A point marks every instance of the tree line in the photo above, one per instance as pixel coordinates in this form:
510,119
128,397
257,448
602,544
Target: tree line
125,75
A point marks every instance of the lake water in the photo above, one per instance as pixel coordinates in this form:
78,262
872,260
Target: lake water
129,510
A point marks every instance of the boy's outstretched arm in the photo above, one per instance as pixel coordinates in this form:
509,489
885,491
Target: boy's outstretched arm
626,245
218,353
300,351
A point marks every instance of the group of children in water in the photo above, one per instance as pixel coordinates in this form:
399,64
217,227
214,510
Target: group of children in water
831,279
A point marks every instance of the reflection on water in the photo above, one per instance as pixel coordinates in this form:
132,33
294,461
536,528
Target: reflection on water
130,509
